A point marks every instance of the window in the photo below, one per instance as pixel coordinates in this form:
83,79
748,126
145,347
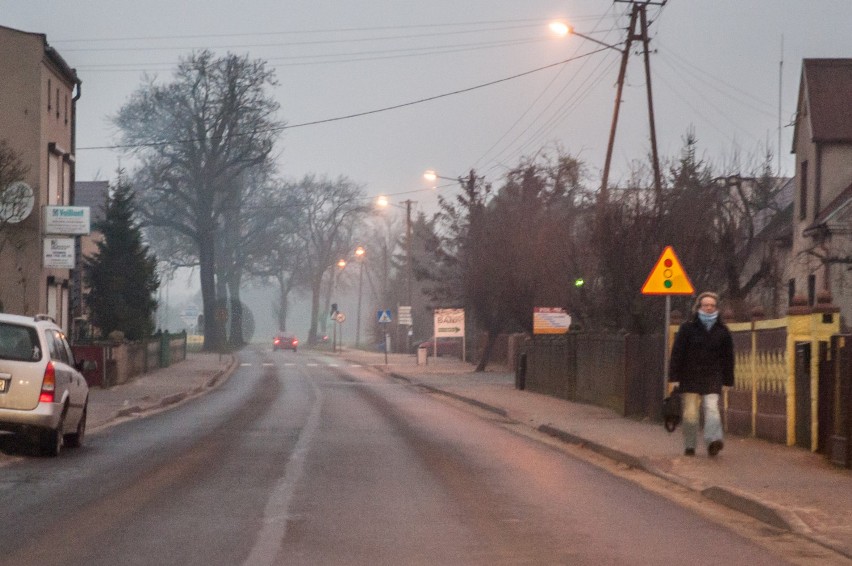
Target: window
791,291
803,190
57,102
66,107
58,351
18,343
49,94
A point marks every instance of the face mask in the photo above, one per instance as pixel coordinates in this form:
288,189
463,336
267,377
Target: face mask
708,320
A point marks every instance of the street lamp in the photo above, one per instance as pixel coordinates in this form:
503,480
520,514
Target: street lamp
432,176
562,29
382,202
341,264
359,255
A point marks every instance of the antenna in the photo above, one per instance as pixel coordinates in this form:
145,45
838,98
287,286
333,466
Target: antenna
780,92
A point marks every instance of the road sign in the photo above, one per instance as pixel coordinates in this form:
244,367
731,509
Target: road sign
383,316
668,277
449,322
339,317
550,320
404,315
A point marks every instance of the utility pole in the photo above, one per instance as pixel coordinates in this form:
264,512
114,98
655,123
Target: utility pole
638,14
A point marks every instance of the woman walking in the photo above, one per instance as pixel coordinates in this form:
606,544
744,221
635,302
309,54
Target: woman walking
702,362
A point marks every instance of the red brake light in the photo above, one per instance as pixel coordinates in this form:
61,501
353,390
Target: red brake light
48,385
295,341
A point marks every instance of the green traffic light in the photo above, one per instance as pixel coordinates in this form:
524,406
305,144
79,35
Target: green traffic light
579,282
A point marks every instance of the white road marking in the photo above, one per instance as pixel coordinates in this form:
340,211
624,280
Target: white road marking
275,515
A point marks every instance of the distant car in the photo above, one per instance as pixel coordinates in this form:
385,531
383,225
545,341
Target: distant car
43,394
446,346
285,342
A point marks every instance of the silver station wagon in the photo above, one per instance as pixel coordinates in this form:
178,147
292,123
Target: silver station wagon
43,395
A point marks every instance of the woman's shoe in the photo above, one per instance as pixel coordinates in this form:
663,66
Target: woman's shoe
715,447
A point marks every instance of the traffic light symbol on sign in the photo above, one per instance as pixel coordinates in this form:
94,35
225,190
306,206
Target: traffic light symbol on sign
668,277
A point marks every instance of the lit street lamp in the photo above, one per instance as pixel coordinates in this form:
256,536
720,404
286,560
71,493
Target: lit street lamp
359,255
382,202
341,264
562,29
432,176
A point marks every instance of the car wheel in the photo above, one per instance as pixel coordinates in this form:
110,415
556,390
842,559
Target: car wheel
75,439
52,440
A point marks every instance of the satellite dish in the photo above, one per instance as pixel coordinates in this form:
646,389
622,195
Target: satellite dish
16,202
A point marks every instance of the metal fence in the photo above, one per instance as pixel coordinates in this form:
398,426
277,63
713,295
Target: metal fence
793,377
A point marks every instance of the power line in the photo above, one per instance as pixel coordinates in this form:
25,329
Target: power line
358,114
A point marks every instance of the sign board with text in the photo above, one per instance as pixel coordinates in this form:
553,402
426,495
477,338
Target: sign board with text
59,253
404,315
449,323
67,220
550,320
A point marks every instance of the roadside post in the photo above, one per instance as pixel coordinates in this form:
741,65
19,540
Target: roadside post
339,318
667,278
384,318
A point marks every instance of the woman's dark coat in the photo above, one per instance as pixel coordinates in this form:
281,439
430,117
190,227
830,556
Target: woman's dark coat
702,361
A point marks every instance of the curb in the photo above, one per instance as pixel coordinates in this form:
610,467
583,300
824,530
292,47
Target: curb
135,410
727,497
479,404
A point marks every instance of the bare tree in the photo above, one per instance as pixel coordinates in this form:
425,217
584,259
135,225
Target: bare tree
195,136
332,212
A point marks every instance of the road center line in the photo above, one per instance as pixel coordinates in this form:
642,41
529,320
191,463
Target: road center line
276,513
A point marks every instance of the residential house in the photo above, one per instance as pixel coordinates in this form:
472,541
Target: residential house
822,218
772,249
38,97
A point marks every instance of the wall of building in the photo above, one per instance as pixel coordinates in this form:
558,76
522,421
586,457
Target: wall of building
37,121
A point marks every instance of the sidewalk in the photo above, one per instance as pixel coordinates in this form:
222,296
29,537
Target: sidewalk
157,389
786,487
783,486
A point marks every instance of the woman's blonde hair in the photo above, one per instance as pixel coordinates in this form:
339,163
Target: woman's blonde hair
704,295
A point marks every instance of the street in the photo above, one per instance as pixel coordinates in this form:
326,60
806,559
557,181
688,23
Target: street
303,459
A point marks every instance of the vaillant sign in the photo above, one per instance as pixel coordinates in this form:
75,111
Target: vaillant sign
67,220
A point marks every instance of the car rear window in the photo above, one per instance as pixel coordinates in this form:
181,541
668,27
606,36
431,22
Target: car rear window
19,343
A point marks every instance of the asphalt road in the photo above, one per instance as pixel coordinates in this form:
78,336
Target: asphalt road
297,461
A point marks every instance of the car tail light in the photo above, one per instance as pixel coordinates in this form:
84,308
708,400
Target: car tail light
276,341
295,341
48,385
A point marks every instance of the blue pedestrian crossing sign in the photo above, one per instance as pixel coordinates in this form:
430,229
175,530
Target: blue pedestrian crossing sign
383,316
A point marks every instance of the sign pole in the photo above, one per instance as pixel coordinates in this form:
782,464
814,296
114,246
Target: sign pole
667,278
666,345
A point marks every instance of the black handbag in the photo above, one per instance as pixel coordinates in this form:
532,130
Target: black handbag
672,410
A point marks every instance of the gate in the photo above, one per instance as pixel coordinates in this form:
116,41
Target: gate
803,394
839,369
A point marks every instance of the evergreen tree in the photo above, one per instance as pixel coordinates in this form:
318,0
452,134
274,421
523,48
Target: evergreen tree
121,276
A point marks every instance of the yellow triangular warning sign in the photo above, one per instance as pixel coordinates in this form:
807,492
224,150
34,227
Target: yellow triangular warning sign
668,277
